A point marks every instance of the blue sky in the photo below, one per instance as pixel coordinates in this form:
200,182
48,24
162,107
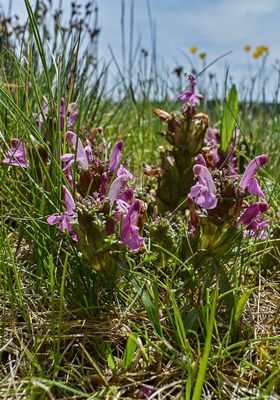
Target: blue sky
215,26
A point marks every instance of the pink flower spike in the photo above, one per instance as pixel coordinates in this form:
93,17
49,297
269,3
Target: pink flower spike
69,159
212,137
88,151
71,116
248,180
54,219
126,195
116,156
130,232
194,100
262,229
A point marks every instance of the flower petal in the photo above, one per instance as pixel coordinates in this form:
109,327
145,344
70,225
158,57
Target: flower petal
54,219
116,156
123,171
255,210
130,232
207,200
202,172
254,188
69,201
78,147
200,160
251,170
16,155
117,185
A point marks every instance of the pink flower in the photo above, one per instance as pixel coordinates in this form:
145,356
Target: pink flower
69,177
188,96
71,116
252,220
16,155
249,181
82,154
145,393
130,232
116,156
201,160
204,191
123,171
123,176
117,186
67,218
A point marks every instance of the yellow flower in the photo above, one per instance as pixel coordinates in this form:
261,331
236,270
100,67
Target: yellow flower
247,48
259,51
202,55
193,49
265,49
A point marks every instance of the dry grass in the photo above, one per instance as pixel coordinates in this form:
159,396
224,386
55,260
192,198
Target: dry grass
28,367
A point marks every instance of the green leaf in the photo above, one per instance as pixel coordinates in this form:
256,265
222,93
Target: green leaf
151,304
224,283
207,348
239,310
129,351
180,329
229,117
241,303
152,311
110,360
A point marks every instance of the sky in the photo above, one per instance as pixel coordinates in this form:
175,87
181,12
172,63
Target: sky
214,26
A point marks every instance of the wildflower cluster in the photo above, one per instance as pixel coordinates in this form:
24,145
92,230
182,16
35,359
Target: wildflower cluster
102,214
223,206
105,219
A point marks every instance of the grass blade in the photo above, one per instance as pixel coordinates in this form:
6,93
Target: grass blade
204,361
229,118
